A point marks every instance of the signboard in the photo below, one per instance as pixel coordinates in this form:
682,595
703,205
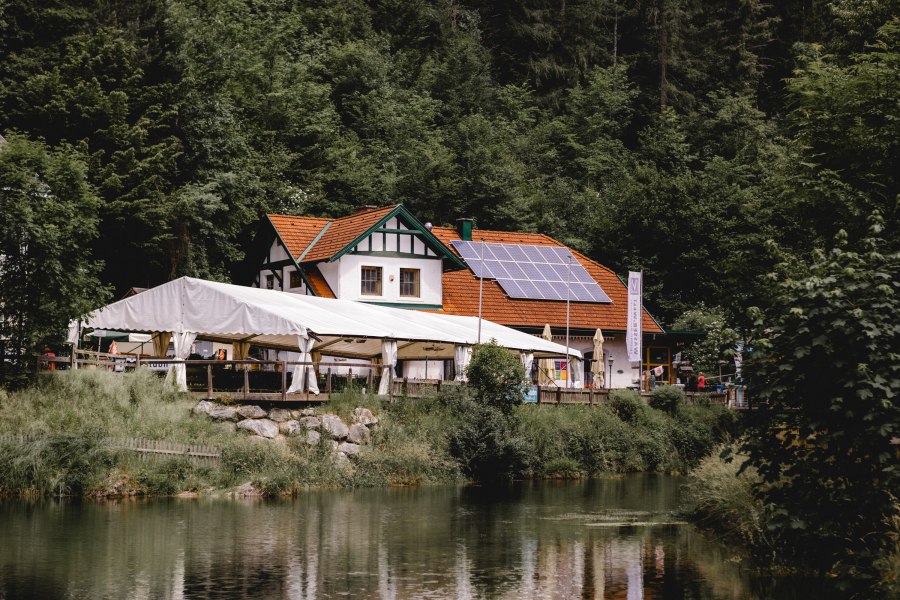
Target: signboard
530,395
633,331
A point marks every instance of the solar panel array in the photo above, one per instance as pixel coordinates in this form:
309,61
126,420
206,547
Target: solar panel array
532,272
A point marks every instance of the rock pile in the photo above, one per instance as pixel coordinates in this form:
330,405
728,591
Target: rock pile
346,440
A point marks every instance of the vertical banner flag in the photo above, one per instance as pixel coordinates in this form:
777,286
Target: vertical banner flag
633,332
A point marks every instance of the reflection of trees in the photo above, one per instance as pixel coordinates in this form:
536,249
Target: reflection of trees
532,541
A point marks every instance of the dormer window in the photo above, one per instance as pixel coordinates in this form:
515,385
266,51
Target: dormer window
409,283
370,281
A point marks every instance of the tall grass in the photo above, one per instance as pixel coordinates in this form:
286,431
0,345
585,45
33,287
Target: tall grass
625,435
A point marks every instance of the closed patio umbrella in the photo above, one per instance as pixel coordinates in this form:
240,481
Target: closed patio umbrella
597,367
546,366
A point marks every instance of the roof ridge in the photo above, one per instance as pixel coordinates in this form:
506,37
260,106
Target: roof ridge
299,217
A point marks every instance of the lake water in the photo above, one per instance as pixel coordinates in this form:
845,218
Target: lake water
610,538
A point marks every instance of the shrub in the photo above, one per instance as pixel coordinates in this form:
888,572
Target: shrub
626,404
496,377
667,398
484,441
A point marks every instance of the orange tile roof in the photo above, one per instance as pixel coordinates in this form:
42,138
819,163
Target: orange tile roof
343,231
297,232
461,292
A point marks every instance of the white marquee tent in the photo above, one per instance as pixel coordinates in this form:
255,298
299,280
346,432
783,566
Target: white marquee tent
187,308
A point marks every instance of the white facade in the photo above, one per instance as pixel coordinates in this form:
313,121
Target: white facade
345,277
622,374
281,275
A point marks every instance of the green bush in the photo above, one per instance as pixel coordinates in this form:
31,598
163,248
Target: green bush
626,404
496,377
485,441
667,398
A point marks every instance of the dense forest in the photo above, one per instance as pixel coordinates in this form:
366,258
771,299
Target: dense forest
699,141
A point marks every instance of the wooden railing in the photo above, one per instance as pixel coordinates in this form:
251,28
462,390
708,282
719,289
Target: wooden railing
268,380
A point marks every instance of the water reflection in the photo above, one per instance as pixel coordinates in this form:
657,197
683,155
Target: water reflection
601,539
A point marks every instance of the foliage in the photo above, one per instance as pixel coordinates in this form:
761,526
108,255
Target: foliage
826,363
626,404
47,276
718,342
667,398
496,377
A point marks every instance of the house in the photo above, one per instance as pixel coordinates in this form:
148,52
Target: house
386,256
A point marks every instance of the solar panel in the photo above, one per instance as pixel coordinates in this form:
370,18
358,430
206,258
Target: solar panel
533,272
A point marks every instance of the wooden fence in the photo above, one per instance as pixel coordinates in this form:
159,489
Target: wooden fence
143,446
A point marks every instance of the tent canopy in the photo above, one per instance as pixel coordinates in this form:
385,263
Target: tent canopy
271,318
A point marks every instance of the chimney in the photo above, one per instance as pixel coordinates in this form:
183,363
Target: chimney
464,228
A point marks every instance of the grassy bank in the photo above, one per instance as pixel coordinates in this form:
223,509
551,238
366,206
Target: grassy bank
72,416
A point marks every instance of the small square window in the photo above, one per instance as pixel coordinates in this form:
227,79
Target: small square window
409,283
370,281
270,282
296,280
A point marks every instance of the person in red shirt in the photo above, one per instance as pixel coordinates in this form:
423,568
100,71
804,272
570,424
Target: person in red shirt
49,353
701,382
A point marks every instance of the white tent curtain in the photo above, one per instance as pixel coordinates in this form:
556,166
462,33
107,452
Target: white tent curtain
577,372
388,361
527,359
298,371
161,341
462,355
183,342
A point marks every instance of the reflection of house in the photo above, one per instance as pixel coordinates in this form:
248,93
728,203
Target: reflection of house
387,256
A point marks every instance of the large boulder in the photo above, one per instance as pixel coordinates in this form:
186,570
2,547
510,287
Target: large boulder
341,461
251,412
335,426
310,422
261,427
313,437
203,407
280,415
359,434
349,449
224,413
290,427
364,416
307,412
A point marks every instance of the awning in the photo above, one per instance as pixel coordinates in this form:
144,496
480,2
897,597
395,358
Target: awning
228,313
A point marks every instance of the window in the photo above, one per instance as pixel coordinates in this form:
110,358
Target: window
370,281
296,280
270,282
409,283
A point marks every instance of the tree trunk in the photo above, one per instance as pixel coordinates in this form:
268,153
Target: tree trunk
663,54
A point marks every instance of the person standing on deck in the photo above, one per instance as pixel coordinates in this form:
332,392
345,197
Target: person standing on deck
701,382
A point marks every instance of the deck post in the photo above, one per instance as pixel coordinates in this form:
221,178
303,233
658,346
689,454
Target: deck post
558,396
246,382
390,385
591,396
209,384
283,381
328,382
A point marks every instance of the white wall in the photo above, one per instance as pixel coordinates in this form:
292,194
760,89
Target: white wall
348,277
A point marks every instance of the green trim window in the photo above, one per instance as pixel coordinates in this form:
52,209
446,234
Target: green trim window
370,281
296,280
409,283
270,282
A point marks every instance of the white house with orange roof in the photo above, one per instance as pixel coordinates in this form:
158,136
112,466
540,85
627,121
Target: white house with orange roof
387,256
